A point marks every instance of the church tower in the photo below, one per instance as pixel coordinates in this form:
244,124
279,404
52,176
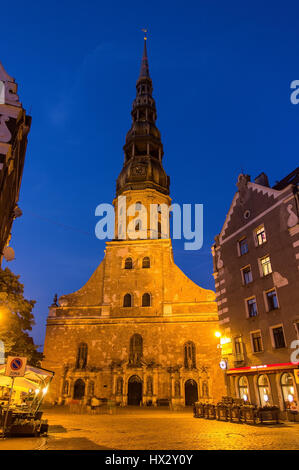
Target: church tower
139,332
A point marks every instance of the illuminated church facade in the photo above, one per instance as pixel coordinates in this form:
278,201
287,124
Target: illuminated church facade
139,332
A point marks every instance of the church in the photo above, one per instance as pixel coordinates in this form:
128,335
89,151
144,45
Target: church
139,332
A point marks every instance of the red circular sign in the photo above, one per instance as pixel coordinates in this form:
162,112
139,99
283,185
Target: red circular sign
16,364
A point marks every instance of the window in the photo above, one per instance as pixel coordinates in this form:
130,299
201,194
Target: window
138,206
256,341
81,356
146,263
266,265
189,355
278,337
138,225
264,390
136,349
127,300
272,302
243,246
287,388
128,263
146,300
243,388
246,275
260,235
251,307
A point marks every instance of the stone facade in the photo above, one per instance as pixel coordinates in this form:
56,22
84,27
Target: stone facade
256,262
139,331
14,128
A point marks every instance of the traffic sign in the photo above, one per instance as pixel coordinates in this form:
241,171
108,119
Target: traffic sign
15,366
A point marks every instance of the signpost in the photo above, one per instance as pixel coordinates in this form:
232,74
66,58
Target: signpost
15,367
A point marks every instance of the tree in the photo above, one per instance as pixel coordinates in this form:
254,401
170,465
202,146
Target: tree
16,319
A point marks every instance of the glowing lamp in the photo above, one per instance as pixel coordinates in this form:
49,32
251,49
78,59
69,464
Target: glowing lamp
245,397
290,398
217,334
266,397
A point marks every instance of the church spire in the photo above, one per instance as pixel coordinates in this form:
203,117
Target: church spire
144,69
143,148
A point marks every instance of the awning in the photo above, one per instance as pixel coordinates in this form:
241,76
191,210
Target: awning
20,383
34,378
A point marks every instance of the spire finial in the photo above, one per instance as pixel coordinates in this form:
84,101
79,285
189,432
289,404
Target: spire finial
144,70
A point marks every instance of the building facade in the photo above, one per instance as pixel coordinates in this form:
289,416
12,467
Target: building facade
139,331
256,262
14,128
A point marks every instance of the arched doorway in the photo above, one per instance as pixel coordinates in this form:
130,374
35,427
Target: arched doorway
134,390
79,389
191,392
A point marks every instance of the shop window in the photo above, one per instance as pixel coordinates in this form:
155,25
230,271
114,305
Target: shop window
256,341
251,307
82,356
146,300
243,246
146,263
260,235
266,267
288,389
272,302
278,337
246,275
264,390
128,263
127,300
243,388
190,355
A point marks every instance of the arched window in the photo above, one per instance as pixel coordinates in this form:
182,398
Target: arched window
136,349
128,263
82,356
138,206
243,388
146,300
127,300
264,390
288,389
189,355
146,262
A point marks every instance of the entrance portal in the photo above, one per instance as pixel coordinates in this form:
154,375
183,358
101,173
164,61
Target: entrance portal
79,389
134,390
191,393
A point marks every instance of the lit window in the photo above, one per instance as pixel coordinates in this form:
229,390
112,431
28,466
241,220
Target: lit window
272,300
247,275
243,388
243,246
264,390
278,337
266,265
256,339
252,307
260,235
288,389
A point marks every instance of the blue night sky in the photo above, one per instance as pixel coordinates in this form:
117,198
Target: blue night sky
221,73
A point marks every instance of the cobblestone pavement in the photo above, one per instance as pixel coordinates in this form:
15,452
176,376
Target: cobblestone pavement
157,429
